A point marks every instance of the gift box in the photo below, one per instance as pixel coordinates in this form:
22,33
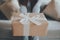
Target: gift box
52,9
29,24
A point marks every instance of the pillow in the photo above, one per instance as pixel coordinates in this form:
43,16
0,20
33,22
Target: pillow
9,7
52,10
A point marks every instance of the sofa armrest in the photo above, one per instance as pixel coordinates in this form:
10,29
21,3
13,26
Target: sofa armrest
6,24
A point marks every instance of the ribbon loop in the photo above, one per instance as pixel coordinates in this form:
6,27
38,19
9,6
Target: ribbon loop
35,19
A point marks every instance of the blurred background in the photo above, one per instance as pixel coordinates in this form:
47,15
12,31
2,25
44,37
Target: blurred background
51,12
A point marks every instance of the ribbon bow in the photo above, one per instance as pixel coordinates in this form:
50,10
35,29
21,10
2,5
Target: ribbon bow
26,19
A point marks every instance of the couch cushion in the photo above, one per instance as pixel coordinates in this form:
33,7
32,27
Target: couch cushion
53,25
53,29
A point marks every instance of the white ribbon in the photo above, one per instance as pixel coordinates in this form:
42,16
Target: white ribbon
37,19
